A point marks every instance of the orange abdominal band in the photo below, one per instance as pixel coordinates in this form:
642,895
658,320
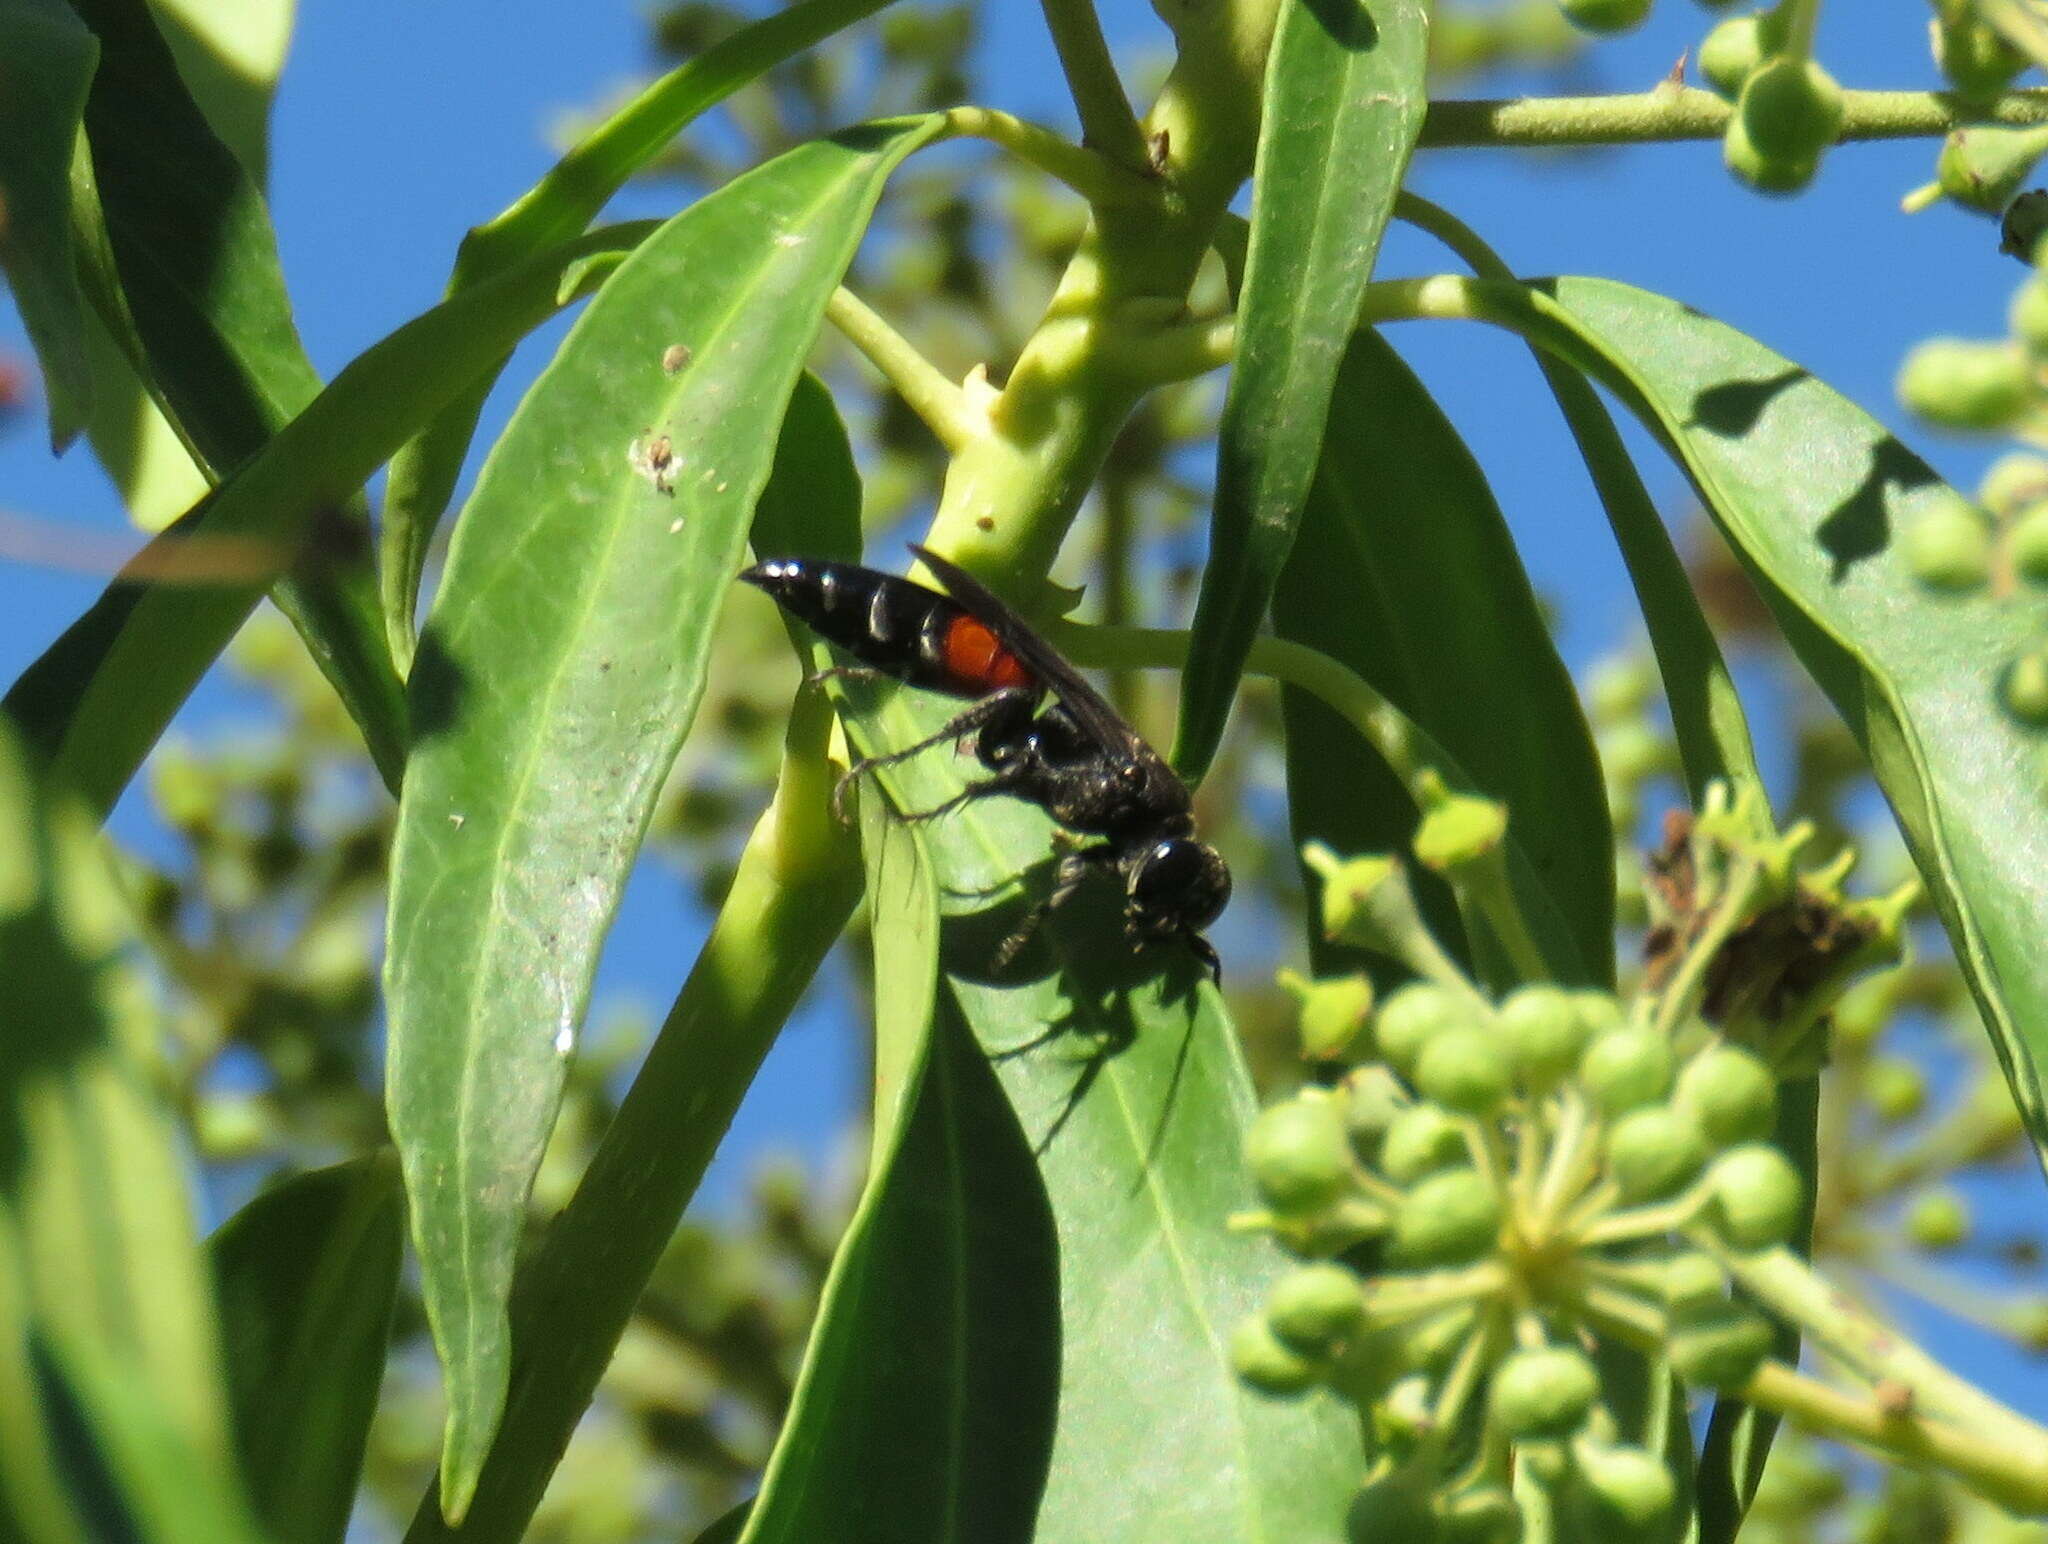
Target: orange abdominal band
978,660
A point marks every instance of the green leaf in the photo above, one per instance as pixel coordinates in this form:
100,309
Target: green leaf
101,1269
1914,673
306,1274
1344,102
556,679
190,271
1126,1077
47,57
556,208
133,1469
1406,571
794,888
99,697
229,53
925,1407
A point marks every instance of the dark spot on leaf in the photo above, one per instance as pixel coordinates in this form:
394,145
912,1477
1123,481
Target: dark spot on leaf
1347,23
435,687
1860,526
1733,407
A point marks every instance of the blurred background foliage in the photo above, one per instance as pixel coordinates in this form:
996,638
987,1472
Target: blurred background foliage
266,913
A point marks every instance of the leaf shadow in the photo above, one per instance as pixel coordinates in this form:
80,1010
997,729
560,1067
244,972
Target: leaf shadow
1859,527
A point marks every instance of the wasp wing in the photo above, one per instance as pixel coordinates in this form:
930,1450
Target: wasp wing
1088,708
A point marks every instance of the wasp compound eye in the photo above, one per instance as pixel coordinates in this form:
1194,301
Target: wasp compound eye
1179,883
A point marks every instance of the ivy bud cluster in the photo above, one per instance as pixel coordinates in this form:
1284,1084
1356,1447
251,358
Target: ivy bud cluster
1497,1201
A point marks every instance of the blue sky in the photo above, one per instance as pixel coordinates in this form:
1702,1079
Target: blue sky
398,125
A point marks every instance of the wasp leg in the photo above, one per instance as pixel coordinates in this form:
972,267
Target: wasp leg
1002,783
847,673
1067,878
1206,953
1012,701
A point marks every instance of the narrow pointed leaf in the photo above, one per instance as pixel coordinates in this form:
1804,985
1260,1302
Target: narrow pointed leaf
1344,101
1914,673
794,888
1126,1077
306,1275
101,1269
554,210
1407,572
99,697
190,271
924,1411
556,679
46,64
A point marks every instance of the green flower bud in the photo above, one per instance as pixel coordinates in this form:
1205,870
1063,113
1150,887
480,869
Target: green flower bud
1414,1015
1601,1011
1626,1068
1372,1101
1896,1089
2027,545
1653,1151
1730,1093
1721,1349
1759,1198
2028,317
1948,546
1258,1356
1694,1281
1447,1219
233,1128
1543,1393
1633,752
1978,62
1394,1506
1423,1139
1605,17
1299,1156
1731,53
1544,1035
2015,483
1938,1219
1312,1308
1959,384
1457,829
1349,887
1463,1070
1767,174
188,791
1624,1493
1333,1013
2023,224
1548,1462
1620,689
1479,1517
1983,167
1790,109
2023,689
2027,1322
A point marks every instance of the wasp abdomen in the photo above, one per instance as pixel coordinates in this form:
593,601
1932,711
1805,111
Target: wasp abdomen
914,634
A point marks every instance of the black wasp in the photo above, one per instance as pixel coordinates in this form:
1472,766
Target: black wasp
1044,734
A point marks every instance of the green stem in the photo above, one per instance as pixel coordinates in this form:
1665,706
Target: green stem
1668,113
1801,17
1790,1289
1403,745
1096,177
941,404
2015,1477
1487,882
1107,122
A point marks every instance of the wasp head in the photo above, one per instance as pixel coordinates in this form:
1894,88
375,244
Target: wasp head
1176,885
